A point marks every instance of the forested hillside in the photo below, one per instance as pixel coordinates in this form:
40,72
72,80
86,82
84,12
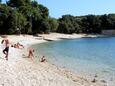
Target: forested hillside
30,17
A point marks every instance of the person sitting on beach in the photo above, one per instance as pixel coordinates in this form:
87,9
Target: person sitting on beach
17,45
43,59
30,54
20,45
6,49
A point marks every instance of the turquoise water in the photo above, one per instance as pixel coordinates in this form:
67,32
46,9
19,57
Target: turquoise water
85,55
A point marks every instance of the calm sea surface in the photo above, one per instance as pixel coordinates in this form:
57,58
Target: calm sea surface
88,56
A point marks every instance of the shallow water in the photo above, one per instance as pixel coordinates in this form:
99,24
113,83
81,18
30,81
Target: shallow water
88,56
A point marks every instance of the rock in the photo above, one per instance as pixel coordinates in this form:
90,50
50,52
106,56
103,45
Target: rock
2,84
111,79
75,80
103,81
94,80
95,75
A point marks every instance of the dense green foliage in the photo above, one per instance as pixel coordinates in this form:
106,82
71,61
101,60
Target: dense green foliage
86,24
30,17
24,16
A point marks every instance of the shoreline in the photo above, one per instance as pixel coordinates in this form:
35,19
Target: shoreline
23,69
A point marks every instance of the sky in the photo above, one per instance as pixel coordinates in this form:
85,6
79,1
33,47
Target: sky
57,8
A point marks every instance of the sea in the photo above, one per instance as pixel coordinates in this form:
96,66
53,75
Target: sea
85,56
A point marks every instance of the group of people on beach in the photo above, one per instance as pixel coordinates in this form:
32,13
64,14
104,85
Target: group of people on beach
19,46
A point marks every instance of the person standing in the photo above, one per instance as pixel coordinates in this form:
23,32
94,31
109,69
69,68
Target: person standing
30,54
6,49
43,59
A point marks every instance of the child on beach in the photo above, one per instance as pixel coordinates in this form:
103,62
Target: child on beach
6,49
30,54
43,59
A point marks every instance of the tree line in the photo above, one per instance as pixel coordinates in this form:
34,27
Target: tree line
30,17
86,24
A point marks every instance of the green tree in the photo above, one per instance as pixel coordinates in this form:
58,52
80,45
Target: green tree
44,11
91,24
18,3
78,24
34,4
21,23
53,24
5,12
111,21
66,24
104,22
